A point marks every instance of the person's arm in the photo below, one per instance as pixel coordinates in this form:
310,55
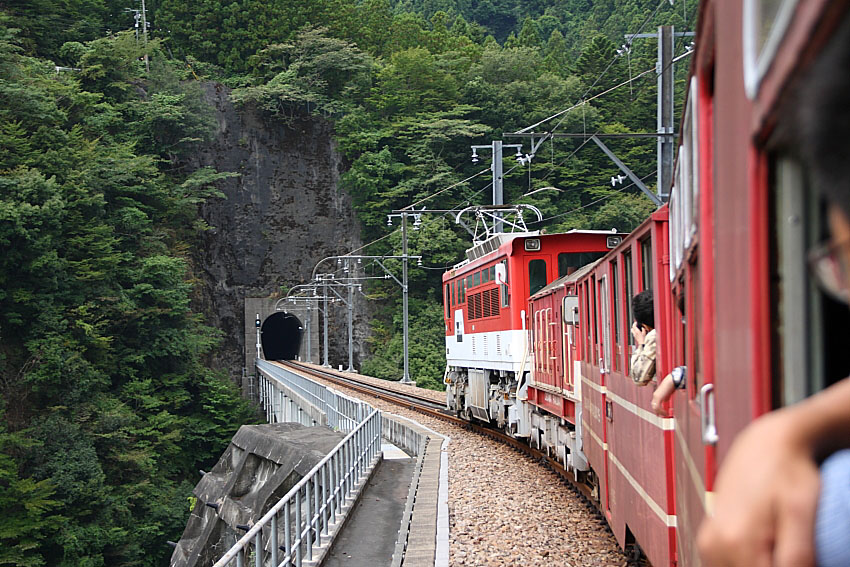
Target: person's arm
672,382
767,487
664,390
642,369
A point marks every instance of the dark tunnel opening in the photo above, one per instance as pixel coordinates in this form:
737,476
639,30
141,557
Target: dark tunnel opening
281,336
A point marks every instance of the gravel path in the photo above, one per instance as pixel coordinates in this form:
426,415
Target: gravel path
507,509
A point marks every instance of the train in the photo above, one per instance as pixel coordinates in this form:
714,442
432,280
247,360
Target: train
537,325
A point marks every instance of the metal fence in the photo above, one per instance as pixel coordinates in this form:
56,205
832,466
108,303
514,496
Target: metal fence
289,397
290,531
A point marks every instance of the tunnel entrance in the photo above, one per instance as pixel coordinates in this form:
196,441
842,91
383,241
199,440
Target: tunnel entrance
281,336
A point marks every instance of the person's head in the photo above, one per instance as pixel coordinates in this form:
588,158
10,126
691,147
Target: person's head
643,309
821,134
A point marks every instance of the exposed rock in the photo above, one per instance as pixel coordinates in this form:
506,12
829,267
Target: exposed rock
282,214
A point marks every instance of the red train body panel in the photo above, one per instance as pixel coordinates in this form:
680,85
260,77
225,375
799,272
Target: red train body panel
725,260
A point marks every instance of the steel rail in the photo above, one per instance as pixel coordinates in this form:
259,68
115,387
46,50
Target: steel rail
427,407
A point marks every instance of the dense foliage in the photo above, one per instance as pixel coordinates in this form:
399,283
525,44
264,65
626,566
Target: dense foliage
107,407
107,410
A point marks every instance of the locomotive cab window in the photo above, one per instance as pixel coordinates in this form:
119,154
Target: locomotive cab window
569,262
536,275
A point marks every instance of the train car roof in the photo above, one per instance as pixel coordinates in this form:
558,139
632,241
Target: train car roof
568,278
495,242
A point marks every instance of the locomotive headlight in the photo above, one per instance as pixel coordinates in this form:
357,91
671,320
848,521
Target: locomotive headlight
532,245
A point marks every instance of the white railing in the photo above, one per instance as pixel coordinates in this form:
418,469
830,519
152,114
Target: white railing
289,397
290,531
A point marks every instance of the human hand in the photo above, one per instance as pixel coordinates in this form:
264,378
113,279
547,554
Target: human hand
639,333
657,404
765,499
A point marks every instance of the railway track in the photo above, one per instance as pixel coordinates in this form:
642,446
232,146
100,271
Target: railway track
428,407
497,501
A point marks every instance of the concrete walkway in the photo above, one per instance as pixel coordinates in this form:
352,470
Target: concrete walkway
370,535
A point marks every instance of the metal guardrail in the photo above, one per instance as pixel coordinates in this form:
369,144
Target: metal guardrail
288,396
288,533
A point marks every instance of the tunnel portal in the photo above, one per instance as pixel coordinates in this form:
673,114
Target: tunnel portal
281,336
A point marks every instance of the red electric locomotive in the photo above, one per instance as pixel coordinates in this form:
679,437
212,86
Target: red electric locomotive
485,314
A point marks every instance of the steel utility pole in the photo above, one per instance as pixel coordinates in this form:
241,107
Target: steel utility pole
665,111
145,35
325,293
307,326
350,327
498,171
405,379
664,114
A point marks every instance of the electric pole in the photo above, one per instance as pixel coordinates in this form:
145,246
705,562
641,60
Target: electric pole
665,111
405,379
497,168
145,35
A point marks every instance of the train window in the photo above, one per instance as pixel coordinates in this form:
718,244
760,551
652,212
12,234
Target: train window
485,275
536,275
469,281
627,268
448,301
695,369
595,341
604,324
587,356
811,329
462,284
615,292
764,22
492,273
476,278
569,262
646,262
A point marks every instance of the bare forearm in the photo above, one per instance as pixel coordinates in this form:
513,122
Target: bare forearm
822,422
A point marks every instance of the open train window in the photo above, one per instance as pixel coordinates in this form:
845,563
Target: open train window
811,330
695,366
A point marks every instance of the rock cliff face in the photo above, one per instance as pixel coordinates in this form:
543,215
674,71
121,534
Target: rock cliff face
281,215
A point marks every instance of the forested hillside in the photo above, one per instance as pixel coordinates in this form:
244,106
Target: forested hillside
108,408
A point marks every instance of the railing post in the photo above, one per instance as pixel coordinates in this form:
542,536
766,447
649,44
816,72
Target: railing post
317,509
308,520
298,530
326,505
287,532
258,549
274,543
